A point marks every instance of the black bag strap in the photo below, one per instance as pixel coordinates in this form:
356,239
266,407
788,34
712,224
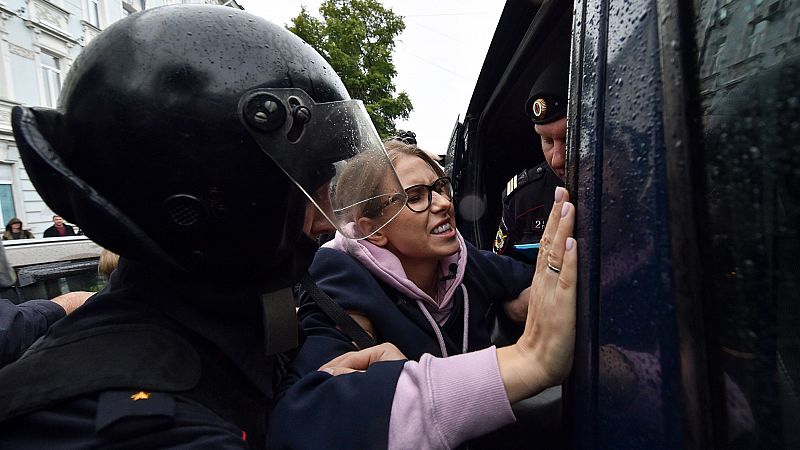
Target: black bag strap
335,312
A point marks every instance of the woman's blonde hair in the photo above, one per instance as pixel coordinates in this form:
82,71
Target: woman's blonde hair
361,168
395,148
108,262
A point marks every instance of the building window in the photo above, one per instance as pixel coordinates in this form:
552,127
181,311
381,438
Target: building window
757,37
93,12
7,210
716,59
51,78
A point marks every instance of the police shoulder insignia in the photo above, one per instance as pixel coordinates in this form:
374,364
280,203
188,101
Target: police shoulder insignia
512,184
141,395
133,412
516,181
500,240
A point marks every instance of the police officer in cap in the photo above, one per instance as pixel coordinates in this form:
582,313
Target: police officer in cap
528,196
174,123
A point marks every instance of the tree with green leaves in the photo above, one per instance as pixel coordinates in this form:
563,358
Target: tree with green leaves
357,37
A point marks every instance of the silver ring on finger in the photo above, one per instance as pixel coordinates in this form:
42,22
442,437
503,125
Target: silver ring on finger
553,268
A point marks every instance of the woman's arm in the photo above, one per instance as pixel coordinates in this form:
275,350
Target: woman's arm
541,358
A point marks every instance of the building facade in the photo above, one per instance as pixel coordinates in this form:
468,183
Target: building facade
39,40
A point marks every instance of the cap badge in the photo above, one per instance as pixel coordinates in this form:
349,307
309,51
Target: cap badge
539,108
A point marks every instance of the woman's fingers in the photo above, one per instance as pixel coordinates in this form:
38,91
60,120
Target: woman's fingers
543,356
362,359
556,254
336,371
560,351
559,196
550,332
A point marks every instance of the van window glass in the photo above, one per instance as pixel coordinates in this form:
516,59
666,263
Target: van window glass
748,69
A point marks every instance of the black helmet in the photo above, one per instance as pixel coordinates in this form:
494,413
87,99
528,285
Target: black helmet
186,137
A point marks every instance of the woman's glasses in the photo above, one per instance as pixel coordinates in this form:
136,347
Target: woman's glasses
420,196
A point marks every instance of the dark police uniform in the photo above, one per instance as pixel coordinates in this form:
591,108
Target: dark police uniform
528,197
527,201
185,346
134,369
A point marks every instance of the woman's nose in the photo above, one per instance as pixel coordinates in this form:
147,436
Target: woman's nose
439,202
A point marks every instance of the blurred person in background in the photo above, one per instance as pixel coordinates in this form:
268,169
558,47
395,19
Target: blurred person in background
14,231
59,228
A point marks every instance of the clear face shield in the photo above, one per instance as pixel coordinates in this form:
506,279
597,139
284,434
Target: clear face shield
331,143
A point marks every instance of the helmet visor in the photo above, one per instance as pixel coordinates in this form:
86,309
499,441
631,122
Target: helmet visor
320,143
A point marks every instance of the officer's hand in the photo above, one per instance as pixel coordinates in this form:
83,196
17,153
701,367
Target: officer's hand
72,300
361,360
517,309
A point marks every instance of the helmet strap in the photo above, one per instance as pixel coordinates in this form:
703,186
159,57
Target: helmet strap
280,321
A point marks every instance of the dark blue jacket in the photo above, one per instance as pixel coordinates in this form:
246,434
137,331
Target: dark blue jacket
490,280
527,201
209,336
318,403
22,324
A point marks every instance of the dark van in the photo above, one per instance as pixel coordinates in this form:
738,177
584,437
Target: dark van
684,165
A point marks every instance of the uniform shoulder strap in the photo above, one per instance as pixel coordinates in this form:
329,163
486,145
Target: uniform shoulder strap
132,356
523,178
152,358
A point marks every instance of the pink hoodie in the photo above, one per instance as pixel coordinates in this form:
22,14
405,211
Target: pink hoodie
438,402
385,266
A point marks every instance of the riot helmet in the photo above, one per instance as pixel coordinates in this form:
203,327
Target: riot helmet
190,137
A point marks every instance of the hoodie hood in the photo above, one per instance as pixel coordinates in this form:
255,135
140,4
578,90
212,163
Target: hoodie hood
385,266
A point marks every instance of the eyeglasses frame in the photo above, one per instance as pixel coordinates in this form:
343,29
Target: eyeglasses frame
430,192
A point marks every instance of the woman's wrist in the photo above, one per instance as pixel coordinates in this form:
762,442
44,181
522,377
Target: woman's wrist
522,375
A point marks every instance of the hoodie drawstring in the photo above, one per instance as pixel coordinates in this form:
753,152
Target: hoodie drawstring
438,331
465,340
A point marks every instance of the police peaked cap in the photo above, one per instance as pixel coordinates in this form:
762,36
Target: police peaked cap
547,101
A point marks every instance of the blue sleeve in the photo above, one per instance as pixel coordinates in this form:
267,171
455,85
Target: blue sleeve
348,411
21,325
502,277
348,285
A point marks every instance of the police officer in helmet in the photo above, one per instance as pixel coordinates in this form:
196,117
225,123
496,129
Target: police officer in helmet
528,197
174,124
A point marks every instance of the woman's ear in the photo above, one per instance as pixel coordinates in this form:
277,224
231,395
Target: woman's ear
366,226
379,239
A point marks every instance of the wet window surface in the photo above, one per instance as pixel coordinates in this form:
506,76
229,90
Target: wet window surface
748,64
